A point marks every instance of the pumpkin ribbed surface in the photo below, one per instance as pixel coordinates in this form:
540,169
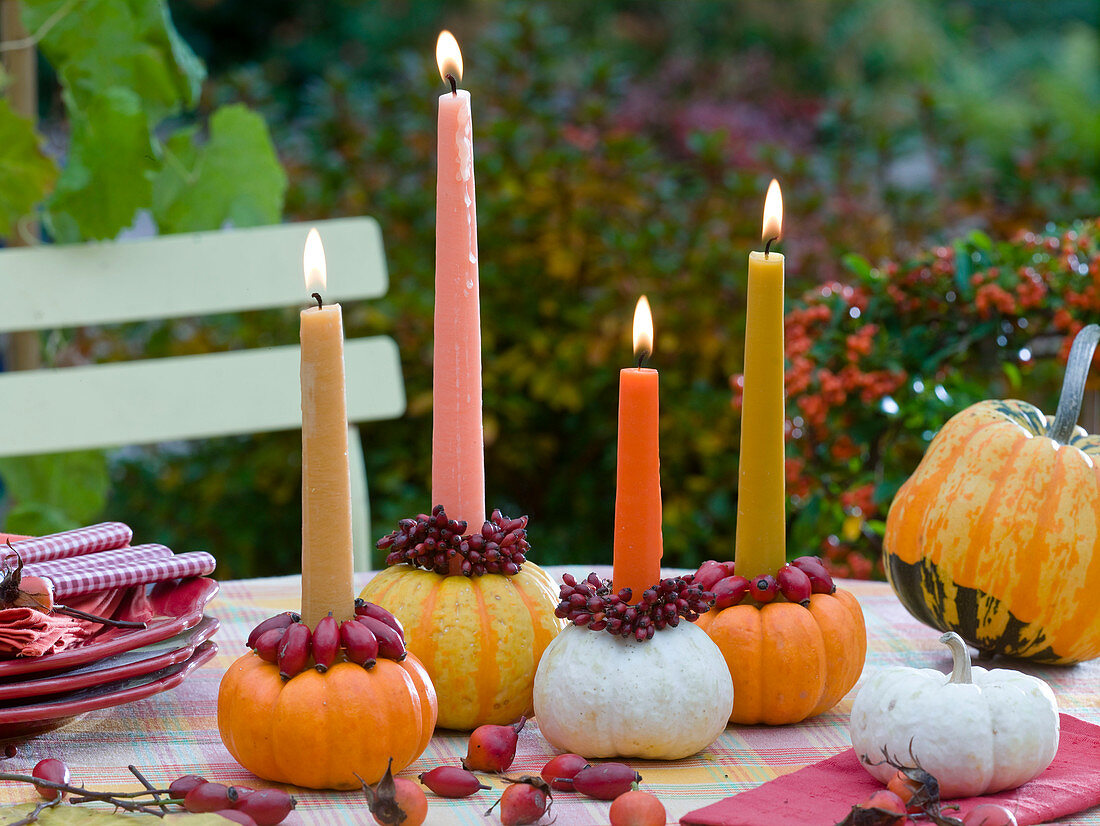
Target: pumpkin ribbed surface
480,638
319,730
789,662
995,535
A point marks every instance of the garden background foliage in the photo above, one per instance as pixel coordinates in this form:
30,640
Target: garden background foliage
941,172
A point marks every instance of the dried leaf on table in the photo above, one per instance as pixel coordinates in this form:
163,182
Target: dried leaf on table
68,815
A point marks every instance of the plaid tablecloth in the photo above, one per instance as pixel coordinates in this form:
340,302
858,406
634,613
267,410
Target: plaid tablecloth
176,733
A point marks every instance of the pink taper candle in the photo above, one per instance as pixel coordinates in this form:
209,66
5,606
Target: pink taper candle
458,443
326,476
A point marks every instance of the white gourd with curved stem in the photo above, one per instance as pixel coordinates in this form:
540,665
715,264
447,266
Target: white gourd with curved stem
976,731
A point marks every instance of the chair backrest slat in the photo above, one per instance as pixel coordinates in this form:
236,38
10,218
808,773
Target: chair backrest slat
176,276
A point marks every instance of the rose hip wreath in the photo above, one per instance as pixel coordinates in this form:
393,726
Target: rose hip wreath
442,545
591,603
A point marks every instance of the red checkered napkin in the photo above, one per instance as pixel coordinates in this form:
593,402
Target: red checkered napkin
87,579
89,540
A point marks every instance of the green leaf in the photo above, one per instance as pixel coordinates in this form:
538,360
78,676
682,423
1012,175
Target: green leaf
96,45
67,489
857,264
26,173
86,815
107,177
234,178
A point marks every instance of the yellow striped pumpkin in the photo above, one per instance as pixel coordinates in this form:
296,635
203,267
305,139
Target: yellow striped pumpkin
996,535
480,638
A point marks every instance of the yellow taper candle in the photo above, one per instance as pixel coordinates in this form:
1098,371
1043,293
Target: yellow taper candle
761,490
326,478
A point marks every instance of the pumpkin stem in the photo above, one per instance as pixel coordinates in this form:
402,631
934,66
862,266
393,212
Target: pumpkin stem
960,658
1073,385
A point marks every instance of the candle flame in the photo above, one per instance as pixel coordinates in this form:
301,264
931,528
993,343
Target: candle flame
773,212
643,329
313,263
448,57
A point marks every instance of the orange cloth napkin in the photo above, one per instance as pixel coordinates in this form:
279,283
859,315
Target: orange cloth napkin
825,792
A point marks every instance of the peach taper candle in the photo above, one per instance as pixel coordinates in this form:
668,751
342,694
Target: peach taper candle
638,541
458,442
761,544
326,476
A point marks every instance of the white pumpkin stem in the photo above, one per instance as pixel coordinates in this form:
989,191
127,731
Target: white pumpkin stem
960,658
1073,385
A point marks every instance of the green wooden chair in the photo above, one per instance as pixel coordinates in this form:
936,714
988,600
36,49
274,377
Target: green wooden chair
190,397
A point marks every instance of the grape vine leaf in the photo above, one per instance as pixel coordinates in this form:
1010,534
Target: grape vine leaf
107,176
27,174
100,44
83,815
74,484
234,178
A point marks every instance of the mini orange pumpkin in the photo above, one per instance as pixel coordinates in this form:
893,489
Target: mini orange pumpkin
790,662
479,637
320,730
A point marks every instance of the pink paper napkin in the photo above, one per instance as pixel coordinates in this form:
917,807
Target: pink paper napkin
825,792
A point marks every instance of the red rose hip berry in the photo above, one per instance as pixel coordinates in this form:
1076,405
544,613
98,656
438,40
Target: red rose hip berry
492,748
637,808
729,591
451,781
51,770
560,771
794,584
605,781
524,802
764,588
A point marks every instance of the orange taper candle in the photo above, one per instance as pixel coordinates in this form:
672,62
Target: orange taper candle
326,477
458,442
761,543
638,542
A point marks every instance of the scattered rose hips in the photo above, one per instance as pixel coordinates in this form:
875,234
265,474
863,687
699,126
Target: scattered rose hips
989,814
605,781
395,801
266,807
561,770
54,771
524,802
637,808
451,781
492,748
210,797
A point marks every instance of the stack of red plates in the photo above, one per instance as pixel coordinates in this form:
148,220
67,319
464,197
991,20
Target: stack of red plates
113,665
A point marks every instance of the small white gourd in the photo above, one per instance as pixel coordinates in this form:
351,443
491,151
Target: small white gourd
600,695
975,731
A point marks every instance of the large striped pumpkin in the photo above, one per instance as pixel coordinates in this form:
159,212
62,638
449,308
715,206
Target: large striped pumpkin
480,637
996,535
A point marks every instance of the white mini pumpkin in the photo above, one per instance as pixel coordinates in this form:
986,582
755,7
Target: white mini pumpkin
600,695
975,731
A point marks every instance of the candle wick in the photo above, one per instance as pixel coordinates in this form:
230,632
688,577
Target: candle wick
643,354
768,245
317,297
454,84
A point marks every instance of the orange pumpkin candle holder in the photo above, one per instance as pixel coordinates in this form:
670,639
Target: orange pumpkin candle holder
318,708
479,618
794,650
